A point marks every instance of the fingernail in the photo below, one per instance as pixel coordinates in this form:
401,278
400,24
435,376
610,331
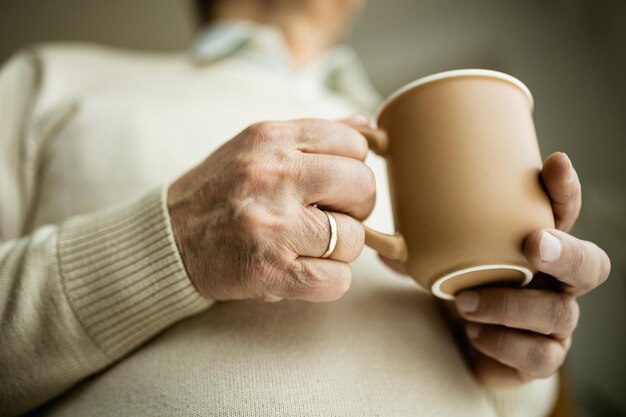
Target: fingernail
472,330
467,301
549,247
571,174
358,118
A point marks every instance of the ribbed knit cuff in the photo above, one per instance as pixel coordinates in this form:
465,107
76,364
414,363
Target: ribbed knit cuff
123,274
535,399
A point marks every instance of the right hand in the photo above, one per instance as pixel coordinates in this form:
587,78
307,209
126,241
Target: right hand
245,220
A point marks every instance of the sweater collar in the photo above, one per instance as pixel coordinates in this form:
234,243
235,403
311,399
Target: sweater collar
338,70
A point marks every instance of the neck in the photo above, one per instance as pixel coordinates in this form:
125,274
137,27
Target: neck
305,37
305,40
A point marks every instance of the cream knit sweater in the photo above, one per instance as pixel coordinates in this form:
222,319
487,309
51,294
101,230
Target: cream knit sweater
97,315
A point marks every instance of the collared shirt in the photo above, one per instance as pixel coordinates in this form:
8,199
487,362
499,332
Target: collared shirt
338,70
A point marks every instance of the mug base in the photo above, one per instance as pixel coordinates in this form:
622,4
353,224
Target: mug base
446,286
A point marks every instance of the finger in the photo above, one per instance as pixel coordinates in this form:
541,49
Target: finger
356,120
312,235
579,264
533,354
495,374
331,138
564,190
337,183
317,280
546,312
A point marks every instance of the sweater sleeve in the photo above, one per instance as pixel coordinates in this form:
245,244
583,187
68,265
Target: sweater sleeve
76,297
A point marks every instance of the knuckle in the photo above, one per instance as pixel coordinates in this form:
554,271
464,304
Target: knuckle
251,172
306,278
306,281
579,257
364,177
544,358
315,226
502,344
262,133
264,173
267,273
502,307
257,222
342,281
297,279
553,313
569,314
562,315
320,230
264,130
370,182
363,146
350,235
354,239
567,344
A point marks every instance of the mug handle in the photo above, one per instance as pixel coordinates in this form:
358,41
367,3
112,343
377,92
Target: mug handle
391,246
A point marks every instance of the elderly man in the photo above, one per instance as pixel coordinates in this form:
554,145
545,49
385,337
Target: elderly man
132,283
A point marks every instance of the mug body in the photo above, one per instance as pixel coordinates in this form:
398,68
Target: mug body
464,166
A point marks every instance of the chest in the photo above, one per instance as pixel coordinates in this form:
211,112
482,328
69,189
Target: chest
120,143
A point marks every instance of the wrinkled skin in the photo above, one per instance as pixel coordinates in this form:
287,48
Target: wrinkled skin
248,220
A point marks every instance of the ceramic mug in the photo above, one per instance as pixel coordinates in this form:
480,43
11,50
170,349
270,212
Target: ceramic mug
464,165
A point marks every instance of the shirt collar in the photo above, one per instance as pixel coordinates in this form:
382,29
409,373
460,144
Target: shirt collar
338,70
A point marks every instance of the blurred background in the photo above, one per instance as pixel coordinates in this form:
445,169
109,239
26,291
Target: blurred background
571,53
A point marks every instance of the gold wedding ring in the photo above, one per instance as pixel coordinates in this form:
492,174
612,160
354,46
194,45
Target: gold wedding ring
332,244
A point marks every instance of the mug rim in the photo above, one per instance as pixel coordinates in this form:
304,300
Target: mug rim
436,286
454,74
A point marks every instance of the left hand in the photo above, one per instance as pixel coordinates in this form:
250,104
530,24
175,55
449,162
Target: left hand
519,334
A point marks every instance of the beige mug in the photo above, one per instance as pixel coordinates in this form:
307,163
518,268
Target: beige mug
464,164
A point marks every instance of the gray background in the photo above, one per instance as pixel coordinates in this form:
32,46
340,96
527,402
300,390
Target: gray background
572,55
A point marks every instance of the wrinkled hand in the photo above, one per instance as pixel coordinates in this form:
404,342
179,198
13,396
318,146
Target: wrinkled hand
518,334
246,220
